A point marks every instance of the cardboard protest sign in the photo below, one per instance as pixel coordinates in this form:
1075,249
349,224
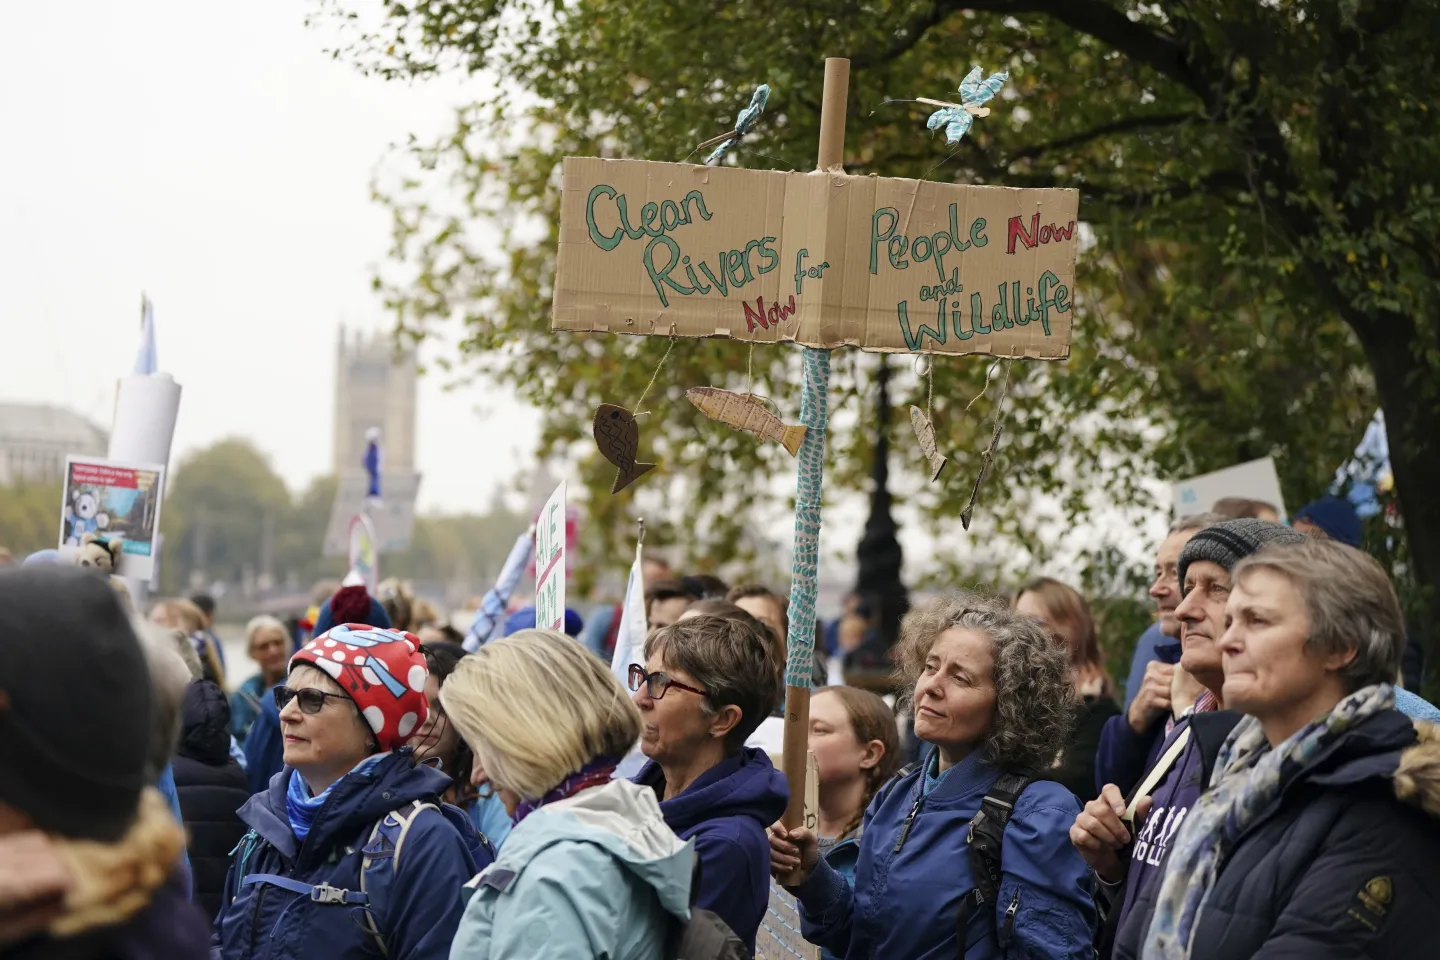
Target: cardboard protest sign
1256,480
550,562
393,516
822,259
114,500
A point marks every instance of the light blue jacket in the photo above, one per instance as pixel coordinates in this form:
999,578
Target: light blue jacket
597,874
1415,707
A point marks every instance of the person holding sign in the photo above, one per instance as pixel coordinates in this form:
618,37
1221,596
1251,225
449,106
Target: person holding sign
993,697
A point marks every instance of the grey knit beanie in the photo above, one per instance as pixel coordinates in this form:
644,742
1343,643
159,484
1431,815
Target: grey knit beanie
1232,541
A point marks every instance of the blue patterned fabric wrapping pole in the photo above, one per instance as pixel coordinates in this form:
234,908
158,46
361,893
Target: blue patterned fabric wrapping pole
814,414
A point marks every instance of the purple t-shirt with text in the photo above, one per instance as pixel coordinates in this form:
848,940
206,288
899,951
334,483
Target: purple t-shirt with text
1170,801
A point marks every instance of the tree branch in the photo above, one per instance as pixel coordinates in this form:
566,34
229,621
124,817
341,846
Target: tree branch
908,36
1095,18
1124,125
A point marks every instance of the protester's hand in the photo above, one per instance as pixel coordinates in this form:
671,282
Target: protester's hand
793,853
33,884
1100,832
1154,697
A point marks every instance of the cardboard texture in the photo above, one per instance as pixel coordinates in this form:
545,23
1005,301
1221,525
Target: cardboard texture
618,437
925,433
746,412
822,259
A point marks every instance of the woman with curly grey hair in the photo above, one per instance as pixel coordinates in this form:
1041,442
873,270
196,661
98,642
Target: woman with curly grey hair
993,698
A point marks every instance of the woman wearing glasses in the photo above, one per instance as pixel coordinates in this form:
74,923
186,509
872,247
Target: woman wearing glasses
321,872
706,685
590,869
992,697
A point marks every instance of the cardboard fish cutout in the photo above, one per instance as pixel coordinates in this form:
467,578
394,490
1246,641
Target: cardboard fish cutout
746,413
925,433
618,437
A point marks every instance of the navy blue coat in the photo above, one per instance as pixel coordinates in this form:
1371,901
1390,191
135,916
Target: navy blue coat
1344,863
211,787
422,909
726,813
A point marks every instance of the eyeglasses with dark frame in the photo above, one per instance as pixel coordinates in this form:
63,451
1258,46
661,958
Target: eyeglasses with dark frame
311,701
657,683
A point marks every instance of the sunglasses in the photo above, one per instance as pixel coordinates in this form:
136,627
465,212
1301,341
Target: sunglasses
657,683
311,701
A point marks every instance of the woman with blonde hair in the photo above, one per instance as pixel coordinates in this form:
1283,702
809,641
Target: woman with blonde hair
590,868
1063,612
992,696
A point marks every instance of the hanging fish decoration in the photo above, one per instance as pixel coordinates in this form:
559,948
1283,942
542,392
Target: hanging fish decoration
745,412
925,433
956,118
618,437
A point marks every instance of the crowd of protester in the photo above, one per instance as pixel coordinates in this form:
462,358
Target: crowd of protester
1265,785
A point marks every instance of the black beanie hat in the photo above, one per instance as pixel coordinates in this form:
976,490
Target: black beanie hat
1230,542
75,703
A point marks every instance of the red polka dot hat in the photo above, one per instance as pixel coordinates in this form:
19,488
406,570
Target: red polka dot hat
383,671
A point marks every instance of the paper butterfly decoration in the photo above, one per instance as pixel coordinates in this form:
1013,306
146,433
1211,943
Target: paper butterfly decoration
957,117
743,123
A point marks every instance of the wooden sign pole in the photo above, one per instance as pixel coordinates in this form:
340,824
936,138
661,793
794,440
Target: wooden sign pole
813,414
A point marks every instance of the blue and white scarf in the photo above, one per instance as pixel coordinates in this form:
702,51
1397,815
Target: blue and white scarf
301,808
1248,777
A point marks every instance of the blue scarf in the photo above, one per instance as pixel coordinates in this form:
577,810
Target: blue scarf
302,808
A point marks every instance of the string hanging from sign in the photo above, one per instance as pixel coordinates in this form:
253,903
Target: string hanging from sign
989,455
743,123
639,412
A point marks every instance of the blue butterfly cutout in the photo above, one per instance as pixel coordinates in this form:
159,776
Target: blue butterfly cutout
743,123
956,119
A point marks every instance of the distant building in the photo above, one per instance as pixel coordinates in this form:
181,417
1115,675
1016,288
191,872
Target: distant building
375,386
35,439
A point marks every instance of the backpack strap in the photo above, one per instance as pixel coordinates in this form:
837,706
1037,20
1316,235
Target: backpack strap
386,837
986,836
320,893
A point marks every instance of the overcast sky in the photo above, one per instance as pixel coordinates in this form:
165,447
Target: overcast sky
213,156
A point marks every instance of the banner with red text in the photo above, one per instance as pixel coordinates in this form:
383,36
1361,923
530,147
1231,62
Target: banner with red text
823,259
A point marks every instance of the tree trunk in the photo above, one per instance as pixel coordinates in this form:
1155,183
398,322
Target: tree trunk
1408,389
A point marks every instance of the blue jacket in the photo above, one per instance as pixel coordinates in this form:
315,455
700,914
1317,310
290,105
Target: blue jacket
595,875
491,819
1144,652
421,909
726,813
842,859
264,746
245,705
914,869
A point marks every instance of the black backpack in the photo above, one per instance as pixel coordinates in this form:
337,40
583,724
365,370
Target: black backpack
704,936
986,836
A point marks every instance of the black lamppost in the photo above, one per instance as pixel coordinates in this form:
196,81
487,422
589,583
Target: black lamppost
879,554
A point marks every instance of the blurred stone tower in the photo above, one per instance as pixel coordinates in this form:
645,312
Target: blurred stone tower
375,386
